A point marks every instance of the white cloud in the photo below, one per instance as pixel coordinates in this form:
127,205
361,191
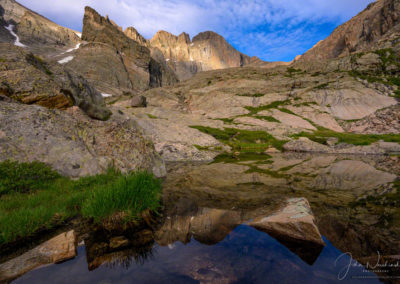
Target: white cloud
238,20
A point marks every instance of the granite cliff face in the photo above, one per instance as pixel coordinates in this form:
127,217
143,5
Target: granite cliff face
375,27
207,51
107,47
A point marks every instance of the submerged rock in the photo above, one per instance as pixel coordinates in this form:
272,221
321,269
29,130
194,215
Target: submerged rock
55,250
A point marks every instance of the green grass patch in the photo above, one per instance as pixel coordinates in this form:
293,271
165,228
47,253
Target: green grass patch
282,109
38,63
226,120
388,57
271,173
51,202
24,177
322,86
230,158
276,104
293,71
256,95
306,104
151,116
131,194
321,135
243,140
208,148
267,118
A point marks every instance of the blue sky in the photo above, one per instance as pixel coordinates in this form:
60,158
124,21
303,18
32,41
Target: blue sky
274,30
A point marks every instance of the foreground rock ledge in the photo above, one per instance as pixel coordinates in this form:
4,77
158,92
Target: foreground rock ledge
55,250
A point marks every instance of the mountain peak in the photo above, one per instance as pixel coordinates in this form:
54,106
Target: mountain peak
132,33
367,30
184,37
208,35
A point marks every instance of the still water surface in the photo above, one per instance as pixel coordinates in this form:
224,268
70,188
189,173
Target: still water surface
204,236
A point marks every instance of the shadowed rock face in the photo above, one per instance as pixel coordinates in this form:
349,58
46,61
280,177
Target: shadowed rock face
133,68
369,29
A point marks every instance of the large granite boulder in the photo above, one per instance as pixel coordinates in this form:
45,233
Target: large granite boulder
29,79
72,143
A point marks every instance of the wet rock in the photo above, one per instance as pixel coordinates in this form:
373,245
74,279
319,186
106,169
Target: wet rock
138,101
55,250
293,222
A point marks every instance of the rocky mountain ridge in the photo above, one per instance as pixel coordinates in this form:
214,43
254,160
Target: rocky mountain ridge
36,32
313,105
376,27
206,51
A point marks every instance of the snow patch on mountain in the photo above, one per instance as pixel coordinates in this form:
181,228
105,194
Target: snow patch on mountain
74,48
10,28
66,59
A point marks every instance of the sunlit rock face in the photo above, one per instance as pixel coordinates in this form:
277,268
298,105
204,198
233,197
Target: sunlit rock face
374,27
134,69
207,51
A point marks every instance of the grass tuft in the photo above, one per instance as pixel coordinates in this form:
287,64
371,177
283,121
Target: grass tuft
131,194
276,104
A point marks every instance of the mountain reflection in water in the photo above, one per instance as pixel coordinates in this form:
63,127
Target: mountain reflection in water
204,236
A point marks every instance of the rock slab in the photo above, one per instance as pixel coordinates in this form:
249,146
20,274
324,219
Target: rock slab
294,222
55,250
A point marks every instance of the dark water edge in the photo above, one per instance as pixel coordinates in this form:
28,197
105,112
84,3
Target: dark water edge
244,256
